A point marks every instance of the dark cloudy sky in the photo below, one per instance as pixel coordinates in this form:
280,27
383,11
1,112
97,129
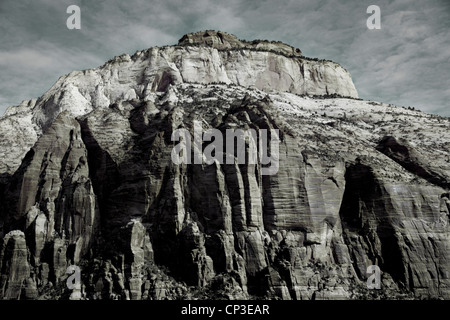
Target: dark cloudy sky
406,63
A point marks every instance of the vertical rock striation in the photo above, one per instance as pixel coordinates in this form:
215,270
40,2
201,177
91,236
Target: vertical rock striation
88,180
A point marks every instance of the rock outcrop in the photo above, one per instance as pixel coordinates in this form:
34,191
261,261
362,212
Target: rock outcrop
226,41
88,180
15,281
197,59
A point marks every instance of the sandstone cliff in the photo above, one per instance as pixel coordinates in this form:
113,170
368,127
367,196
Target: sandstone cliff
87,179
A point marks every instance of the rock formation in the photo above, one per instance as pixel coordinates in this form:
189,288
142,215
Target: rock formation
87,179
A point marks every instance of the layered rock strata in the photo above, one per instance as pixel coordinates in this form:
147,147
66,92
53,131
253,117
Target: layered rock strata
91,182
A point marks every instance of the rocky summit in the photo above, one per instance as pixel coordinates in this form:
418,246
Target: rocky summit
87,181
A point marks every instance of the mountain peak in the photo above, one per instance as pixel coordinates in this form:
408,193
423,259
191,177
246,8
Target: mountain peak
207,57
96,178
216,39
223,41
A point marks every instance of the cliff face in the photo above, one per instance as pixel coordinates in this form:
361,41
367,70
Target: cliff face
88,179
197,59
